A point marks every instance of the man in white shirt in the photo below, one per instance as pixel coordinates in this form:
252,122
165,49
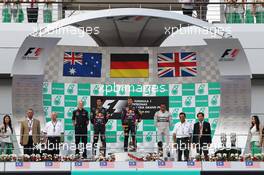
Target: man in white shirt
181,135
162,119
54,133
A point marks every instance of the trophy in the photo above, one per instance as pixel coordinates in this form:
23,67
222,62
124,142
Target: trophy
233,139
223,139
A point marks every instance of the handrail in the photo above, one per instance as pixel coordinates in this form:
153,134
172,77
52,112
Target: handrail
132,2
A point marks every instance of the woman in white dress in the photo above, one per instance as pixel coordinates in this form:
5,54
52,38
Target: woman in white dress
6,132
256,135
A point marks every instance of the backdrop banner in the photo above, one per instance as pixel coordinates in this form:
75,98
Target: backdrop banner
147,105
190,98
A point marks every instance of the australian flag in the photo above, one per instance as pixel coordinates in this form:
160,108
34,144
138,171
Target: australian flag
80,64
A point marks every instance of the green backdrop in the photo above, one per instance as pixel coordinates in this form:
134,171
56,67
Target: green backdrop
190,98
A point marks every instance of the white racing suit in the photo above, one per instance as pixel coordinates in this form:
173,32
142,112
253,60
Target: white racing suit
162,122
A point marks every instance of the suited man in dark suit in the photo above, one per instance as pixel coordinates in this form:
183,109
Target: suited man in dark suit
202,135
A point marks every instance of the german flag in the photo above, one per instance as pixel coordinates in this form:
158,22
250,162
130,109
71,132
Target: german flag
129,66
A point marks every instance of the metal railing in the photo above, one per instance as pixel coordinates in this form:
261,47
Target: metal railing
214,12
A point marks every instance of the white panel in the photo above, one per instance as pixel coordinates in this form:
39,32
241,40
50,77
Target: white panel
256,59
33,55
239,66
257,95
6,96
7,56
2,166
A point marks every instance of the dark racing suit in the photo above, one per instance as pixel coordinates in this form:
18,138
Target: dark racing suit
130,116
99,118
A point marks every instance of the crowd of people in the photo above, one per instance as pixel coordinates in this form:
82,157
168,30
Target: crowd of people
185,135
13,11
236,11
241,12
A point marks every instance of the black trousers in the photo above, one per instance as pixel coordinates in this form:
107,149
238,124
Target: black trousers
127,130
29,148
201,148
99,130
53,145
81,137
183,147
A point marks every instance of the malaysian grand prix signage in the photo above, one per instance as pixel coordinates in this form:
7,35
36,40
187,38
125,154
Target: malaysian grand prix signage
190,98
147,105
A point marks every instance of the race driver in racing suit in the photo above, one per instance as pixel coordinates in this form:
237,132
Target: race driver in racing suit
163,121
130,117
99,118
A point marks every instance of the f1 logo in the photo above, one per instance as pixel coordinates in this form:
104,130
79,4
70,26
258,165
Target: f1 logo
33,52
229,55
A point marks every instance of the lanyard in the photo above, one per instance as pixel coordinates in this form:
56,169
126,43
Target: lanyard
30,124
54,127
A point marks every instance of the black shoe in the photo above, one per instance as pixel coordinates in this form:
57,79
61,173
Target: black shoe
125,150
84,156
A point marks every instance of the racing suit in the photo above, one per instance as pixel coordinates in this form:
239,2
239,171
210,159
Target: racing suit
99,118
163,122
130,117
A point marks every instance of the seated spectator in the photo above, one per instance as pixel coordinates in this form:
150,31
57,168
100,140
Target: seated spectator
47,12
6,13
259,9
250,12
17,12
234,12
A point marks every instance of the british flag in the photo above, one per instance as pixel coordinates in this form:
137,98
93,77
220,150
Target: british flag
73,58
177,64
